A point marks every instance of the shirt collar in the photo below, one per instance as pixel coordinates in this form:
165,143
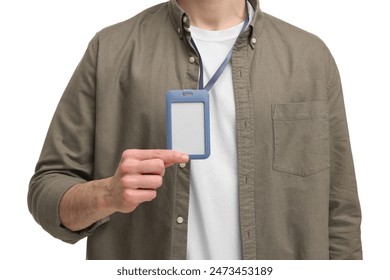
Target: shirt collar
181,22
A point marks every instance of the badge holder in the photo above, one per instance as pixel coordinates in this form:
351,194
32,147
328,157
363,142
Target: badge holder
188,122
188,113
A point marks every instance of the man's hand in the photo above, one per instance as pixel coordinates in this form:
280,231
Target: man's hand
136,180
138,176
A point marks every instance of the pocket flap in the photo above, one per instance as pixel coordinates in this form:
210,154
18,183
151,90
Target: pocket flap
300,111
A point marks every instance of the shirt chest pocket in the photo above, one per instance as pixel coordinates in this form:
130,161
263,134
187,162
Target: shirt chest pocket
301,137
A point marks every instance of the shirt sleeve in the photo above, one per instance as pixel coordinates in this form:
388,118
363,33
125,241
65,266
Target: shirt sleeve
67,154
344,206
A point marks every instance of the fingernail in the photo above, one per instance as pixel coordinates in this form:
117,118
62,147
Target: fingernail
185,158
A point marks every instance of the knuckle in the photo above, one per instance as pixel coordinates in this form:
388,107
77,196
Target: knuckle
127,181
131,165
125,154
122,168
158,181
128,166
153,195
129,153
129,197
160,165
157,154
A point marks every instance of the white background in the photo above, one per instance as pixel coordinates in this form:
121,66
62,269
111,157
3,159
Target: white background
41,43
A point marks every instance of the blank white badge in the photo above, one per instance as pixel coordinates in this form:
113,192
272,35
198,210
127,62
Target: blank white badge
188,127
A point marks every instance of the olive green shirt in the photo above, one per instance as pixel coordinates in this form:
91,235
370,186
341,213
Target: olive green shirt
297,189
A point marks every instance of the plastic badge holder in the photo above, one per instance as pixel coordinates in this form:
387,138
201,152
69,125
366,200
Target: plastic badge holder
188,122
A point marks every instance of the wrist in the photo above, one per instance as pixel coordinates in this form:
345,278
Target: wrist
104,202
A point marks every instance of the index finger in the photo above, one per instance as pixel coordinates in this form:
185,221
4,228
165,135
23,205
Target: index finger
168,156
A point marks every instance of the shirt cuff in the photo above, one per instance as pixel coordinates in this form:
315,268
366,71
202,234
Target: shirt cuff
49,210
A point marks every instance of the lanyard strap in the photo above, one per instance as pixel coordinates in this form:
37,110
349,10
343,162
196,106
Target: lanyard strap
222,67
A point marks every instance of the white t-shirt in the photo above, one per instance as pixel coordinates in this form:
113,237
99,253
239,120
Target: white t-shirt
213,222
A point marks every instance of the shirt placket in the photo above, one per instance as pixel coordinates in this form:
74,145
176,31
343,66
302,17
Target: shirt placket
245,145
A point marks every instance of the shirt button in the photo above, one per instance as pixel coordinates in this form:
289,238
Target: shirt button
182,165
179,30
180,220
253,40
185,19
192,59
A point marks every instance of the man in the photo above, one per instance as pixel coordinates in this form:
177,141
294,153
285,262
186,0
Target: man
279,183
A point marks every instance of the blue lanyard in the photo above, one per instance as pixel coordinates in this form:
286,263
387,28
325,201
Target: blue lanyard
222,67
